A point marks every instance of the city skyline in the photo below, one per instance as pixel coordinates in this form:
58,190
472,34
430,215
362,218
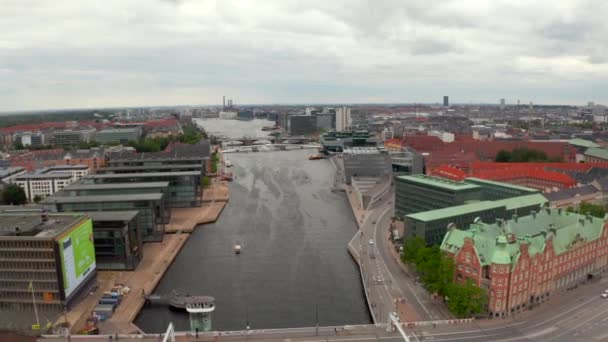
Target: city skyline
163,53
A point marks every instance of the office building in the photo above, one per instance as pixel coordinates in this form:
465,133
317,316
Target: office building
152,212
118,239
492,191
51,255
446,101
502,104
523,261
41,185
419,193
338,141
325,122
83,189
26,139
120,135
365,162
302,124
71,138
343,120
387,134
76,171
184,187
433,224
406,162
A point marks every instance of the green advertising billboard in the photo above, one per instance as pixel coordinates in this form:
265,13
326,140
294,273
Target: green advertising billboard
77,251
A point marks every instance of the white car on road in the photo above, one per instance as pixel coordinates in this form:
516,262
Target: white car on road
371,241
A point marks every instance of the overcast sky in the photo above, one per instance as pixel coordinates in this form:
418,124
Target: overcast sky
77,54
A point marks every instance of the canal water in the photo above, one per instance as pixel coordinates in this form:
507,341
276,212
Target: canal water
294,266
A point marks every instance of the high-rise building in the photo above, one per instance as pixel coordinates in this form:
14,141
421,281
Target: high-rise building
502,104
446,101
343,119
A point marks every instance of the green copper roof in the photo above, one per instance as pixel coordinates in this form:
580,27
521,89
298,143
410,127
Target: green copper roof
437,182
478,181
514,203
458,210
582,143
597,153
563,228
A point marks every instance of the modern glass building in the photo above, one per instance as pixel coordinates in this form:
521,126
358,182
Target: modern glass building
338,141
184,187
118,239
80,189
152,213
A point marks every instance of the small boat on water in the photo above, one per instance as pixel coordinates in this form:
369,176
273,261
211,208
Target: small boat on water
228,163
237,249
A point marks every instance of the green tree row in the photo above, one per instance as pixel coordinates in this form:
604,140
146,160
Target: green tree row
437,275
523,155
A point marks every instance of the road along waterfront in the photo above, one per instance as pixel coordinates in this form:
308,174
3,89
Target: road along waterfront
294,265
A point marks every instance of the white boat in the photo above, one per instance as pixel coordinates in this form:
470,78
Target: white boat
237,249
228,163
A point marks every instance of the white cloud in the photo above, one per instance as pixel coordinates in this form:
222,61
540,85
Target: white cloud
143,52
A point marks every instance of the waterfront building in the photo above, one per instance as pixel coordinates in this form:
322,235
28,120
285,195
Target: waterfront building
522,261
121,135
418,193
343,119
118,239
38,255
325,122
42,184
365,162
87,189
302,124
338,141
184,187
152,212
433,224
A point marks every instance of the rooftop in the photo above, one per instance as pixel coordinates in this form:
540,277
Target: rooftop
361,150
132,185
10,171
582,143
127,215
501,184
597,153
145,174
500,242
31,225
155,167
119,130
102,198
514,203
438,182
67,167
458,210
53,175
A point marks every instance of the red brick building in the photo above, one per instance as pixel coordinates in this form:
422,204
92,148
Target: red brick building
523,261
33,160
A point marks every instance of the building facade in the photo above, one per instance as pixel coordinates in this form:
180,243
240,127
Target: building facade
44,184
302,124
153,215
344,121
118,239
121,135
418,193
523,261
365,162
37,256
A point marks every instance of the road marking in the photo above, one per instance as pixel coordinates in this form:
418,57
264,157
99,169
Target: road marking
582,323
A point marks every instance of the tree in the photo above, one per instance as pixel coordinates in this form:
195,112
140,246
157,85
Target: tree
206,181
503,156
465,300
37,198
411,247
14,194
589,208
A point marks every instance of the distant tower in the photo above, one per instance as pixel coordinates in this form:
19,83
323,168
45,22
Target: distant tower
502,104
223,102
446,101
343,119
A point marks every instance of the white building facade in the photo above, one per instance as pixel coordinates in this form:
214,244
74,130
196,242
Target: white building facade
343,119
43,185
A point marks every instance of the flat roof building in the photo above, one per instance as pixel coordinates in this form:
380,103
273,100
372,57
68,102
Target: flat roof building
41,185
51,255
121,135
418,193
338,141
152,213
184,187
118,239
365,162
491,190
7,175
